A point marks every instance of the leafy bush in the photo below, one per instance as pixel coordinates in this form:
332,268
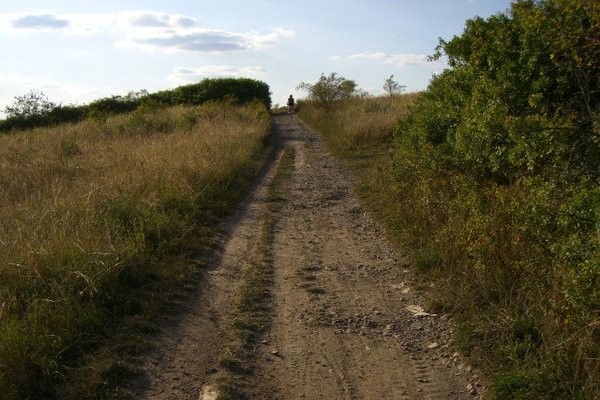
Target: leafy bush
329,89
493,187
32,103
498,167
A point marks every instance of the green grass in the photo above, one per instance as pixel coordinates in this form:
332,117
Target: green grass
101,225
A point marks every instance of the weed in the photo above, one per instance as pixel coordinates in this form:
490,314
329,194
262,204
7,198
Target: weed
514,386
316,290
426,260
233,365
69,148
307,274
312,268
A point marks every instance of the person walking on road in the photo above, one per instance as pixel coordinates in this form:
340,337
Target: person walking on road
290,104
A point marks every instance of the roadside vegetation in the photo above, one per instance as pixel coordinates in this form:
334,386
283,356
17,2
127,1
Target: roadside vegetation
34,109
101,225
492,184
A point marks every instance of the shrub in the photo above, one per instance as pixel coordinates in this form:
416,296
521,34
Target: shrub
497,168
34,109
329,89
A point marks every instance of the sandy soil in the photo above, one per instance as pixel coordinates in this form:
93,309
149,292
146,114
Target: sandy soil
346,323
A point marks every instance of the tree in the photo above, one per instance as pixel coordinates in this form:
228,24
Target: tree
329,89
393,87
33,103
136,96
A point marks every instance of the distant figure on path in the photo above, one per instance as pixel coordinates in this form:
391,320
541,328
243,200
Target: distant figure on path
290,104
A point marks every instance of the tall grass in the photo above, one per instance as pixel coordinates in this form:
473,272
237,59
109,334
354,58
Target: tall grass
516,264
358,123
99,223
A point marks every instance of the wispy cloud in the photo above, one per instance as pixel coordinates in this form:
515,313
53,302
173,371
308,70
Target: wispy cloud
73,24
183,74
398,59
153,31
155,20
39,22
146,30
56,91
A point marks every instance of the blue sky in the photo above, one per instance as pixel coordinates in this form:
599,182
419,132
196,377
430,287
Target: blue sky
79,51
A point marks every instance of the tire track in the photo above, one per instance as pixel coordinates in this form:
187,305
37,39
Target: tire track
340,326
185,362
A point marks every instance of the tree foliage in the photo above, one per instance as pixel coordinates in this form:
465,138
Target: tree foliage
35,102
329,89
392,87
502,156
533,79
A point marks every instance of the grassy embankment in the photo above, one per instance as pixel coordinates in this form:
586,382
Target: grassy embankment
493,252
101,223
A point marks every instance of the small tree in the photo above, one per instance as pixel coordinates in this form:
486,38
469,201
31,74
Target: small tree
329,89
393,87
33,103
136,96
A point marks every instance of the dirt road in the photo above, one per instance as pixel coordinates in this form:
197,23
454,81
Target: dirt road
344,320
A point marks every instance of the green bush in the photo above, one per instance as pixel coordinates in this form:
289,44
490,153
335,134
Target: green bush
329,90
34,110
493,188
498,168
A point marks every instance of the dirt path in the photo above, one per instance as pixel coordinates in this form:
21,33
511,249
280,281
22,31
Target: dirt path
345,323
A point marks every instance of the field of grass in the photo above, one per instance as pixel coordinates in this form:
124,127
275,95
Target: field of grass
358,124
101,223
511,263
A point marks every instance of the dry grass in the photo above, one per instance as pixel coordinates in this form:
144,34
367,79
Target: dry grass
96,219
359,123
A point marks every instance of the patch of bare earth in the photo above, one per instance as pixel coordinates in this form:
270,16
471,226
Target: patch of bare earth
345,322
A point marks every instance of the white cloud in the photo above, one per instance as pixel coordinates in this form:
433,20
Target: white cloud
183,74
39,22
153,31
146,30
399,59
155,20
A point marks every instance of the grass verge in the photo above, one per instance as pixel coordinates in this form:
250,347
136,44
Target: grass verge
101,224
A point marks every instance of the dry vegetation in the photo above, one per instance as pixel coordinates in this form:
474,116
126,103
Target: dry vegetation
357,123
98,225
